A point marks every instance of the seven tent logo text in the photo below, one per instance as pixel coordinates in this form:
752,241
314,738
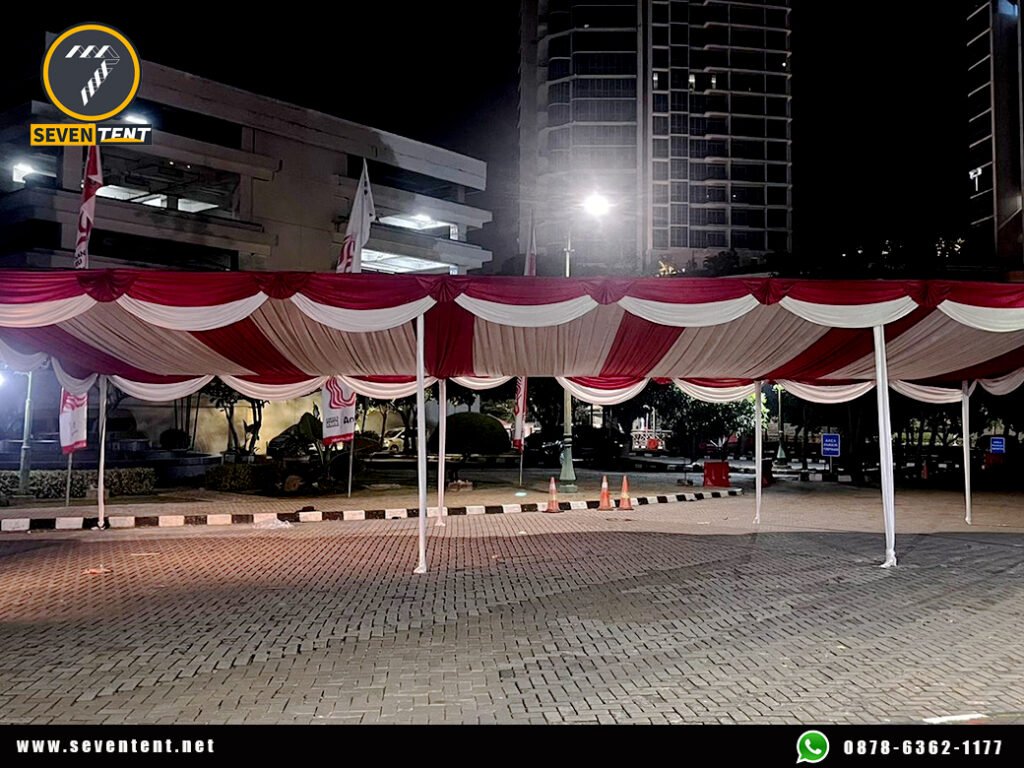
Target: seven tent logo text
91,73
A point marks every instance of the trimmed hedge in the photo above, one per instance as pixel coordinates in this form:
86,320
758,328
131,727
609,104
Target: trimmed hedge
51,483
473,433
240,477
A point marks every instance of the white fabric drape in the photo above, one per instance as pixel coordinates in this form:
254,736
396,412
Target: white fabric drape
1003,385
362,320
885,448
715,394
851,315
965,422
689,315
160,393
262,391
831,393
995,319
70,383
43,313
924,394
18,361
383,390
601,396
192,318
480,383
527,315
758,453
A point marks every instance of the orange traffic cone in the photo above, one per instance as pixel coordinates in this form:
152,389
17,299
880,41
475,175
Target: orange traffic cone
552,497
605,504
624,502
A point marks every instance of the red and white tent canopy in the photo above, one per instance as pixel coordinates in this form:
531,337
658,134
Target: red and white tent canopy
277,335
163,335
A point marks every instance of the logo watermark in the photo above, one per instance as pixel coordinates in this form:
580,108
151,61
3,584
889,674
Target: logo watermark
811,747
91,73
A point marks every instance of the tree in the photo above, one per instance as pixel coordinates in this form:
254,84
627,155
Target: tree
225,399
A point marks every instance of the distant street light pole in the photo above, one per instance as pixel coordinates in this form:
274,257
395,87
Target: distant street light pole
25,465
780,455
596,205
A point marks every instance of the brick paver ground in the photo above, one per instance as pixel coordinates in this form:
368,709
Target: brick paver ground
673,613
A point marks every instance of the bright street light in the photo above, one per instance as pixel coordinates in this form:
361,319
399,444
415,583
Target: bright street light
597,205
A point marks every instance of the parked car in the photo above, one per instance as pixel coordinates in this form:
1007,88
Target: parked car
293,445
590,445
394,440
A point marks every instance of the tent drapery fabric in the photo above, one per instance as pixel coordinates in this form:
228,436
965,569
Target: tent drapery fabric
835,393
598,396
283,330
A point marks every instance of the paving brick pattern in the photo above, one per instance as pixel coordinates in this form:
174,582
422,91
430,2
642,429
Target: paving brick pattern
669,613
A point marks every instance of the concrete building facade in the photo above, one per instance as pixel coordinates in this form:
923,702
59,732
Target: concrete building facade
235,180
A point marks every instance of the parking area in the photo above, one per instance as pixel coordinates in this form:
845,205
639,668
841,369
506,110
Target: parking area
669,613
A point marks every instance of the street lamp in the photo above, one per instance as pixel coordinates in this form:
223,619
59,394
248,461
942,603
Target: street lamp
595,205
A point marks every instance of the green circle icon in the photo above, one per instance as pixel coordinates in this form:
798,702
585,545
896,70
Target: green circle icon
811,747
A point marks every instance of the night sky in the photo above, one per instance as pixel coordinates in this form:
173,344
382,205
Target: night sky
879,120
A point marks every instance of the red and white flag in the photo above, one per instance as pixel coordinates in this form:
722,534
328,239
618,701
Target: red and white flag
72,421
338,411
530,269
358,230
74,409
91,182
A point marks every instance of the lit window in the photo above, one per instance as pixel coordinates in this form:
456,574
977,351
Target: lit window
693,81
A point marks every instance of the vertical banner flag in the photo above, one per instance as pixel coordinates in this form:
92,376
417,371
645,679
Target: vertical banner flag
91,182
358,230
73,409
530,269
338,411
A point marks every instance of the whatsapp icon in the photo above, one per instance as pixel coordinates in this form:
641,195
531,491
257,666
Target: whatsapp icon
811,747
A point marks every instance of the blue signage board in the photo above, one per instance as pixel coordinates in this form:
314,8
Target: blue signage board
998,445
830,445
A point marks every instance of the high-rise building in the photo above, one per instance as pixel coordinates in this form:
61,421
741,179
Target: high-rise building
676,111
994,175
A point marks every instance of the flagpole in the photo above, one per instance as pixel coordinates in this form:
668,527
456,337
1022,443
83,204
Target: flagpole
351,460
522,453
67,490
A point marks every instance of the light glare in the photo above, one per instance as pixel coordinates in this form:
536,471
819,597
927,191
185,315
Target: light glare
596,204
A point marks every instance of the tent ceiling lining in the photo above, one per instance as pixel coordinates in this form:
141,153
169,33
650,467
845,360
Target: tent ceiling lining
286,330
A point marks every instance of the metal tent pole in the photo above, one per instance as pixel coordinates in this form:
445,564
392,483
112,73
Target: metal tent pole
421,447
965,405
101,479
758,452
885,447
442,446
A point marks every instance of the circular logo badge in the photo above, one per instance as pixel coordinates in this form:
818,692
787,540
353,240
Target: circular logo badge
91,72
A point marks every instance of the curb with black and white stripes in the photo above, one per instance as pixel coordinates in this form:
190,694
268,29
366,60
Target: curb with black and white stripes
312,516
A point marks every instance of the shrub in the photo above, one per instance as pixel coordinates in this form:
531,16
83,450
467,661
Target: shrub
473,433
240,477
52,483
174,439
